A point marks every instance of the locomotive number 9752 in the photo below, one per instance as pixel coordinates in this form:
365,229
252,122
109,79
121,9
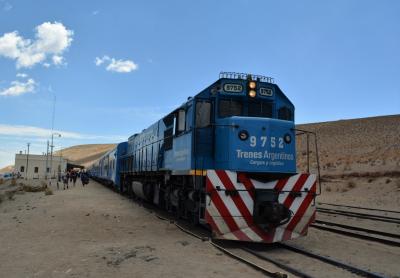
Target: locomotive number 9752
274,142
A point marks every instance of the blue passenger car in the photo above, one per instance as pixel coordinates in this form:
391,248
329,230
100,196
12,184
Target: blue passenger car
107,168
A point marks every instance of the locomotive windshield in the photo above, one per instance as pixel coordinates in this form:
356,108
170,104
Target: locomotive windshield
230,107
262,109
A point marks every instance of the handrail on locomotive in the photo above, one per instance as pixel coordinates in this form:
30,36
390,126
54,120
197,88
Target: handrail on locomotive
302,132
246,76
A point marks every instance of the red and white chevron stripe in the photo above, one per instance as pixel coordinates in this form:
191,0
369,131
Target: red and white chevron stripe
231,216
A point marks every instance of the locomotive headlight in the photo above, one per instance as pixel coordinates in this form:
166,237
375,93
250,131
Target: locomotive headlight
252,85
287,138
252,93
243,135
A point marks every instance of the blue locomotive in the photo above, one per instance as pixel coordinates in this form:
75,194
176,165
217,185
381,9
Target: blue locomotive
226,158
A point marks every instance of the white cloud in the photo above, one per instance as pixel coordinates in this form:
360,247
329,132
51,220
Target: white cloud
95,12
58,60
19,88
22,75
121,66
51,39
98,61
38,132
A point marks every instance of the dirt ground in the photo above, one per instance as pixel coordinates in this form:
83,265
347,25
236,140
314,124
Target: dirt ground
94,232
380,192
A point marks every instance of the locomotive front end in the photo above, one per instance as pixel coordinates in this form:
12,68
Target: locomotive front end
255,193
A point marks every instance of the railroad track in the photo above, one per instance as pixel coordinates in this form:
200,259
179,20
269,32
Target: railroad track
268,272
373,217
358,232
285,267
334,262
360,208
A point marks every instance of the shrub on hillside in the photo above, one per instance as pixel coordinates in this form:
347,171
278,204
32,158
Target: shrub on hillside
351,184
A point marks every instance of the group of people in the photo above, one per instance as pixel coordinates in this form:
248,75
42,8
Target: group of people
72,176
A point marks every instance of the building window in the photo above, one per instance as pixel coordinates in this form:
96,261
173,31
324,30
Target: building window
36,169
48,170
22,169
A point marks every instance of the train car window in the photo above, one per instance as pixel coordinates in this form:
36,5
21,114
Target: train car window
285,113
260,109
203,114
229,107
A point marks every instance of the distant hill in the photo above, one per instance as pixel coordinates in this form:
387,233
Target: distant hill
7,169
85,154
364,146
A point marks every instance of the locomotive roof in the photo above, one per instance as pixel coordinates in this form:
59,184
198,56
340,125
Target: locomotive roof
242,77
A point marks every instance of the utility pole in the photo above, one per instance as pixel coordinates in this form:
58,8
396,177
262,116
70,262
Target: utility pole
51,152
47,160
27,162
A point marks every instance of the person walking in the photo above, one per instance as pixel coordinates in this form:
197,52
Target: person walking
65,180
68,176
74,177
84,178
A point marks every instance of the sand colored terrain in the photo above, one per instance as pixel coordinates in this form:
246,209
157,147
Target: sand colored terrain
359,161
85,154
7,169
366,146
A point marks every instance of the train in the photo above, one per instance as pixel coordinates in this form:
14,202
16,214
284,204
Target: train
224,159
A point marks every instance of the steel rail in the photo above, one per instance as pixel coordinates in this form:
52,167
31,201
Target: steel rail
229,253
381,233
249,263
241,259
332,261
361,215
277,263
356,235
364,208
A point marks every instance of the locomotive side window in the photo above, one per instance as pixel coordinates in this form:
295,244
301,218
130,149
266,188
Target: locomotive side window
203,114
260,109
168,139
229,107
180,122
285,113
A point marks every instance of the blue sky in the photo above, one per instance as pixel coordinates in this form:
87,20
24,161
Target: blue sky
334,60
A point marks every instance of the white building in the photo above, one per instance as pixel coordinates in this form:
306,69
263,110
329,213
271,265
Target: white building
39,166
